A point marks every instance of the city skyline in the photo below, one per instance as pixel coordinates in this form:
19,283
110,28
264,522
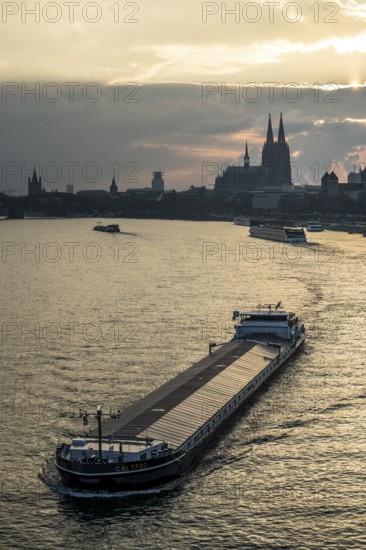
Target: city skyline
185,164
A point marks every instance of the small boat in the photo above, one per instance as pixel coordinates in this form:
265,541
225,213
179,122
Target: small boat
314,226
111,228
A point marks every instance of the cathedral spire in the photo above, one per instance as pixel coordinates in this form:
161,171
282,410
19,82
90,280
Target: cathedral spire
269,131
34,178
113,188
281,132
34,184
246,156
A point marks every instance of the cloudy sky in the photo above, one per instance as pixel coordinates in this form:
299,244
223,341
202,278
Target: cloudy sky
91,90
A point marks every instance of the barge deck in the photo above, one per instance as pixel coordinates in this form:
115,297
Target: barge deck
176,410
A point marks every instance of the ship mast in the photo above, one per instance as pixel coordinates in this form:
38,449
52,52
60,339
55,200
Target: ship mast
84,415
99,418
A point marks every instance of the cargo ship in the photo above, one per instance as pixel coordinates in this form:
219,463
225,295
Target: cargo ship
158,438
282,234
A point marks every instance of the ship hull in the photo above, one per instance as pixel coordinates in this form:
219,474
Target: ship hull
113,480
143,476
103,230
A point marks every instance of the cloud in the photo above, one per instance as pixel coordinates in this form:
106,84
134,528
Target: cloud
176,45
353,10
185,62
356,121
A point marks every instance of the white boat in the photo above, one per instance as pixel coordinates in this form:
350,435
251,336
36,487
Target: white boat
241,221
314,226
282,234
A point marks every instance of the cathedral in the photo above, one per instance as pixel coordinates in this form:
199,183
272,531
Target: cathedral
273,174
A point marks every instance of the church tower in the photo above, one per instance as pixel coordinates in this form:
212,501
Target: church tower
34,184
113,189
157,183
281,131
269,131
276,157
246,156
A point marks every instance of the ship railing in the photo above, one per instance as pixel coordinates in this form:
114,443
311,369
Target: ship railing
123,438
131,438
150,441
165,453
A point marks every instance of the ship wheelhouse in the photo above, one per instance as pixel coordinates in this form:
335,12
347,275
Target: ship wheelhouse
266,322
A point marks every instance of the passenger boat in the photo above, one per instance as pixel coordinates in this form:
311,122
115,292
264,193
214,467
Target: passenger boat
241,221
282,234
111,228
314,226
158,438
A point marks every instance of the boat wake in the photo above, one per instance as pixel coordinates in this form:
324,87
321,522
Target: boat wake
78,493
264,439
297,423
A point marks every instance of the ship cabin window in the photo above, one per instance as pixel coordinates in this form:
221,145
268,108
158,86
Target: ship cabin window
273,318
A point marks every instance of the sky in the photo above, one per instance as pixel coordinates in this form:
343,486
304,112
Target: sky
95,90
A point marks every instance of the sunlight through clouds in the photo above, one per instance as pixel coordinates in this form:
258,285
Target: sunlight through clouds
180,61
